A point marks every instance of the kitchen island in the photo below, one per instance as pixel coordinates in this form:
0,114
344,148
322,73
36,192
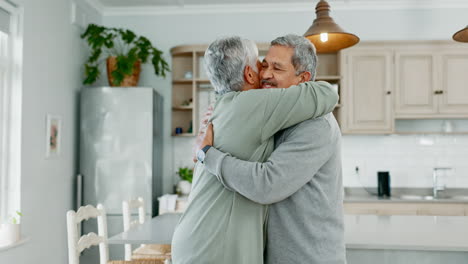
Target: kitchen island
406,239
369,239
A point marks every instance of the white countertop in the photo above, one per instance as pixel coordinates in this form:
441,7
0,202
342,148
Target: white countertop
438,233
407,232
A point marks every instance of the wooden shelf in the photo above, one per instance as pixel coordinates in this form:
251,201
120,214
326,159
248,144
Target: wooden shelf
184,135
182,81
202,80
182,108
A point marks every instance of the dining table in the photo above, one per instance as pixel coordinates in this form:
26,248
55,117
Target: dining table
158,230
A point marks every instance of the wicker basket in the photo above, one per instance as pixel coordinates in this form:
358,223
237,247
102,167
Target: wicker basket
129,80
152,251
143,261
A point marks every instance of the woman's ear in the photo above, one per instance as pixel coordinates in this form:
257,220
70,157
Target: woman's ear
248,75
305,76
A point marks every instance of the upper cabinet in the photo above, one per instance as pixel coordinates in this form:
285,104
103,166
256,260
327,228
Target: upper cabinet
431,82
367,91
415,83
453,94
385,81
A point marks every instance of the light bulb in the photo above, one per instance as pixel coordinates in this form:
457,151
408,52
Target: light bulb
324,37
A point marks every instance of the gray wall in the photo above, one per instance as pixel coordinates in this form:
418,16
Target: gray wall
52,61
167,31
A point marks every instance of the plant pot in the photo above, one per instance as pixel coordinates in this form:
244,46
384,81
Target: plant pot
129,80
184,187
9,234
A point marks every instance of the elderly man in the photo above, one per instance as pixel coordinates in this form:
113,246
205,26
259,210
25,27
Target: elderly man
301,179
221,226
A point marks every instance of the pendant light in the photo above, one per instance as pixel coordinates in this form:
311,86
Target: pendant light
462,35
325,34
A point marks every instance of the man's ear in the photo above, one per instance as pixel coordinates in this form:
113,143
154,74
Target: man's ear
248,76
305,76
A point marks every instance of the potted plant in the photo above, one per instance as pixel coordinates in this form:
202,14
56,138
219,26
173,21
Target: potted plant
124,52
10,232
185,185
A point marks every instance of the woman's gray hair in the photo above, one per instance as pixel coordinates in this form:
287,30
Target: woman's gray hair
225,60
304,58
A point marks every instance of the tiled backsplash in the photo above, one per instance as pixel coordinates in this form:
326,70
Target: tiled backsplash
409,158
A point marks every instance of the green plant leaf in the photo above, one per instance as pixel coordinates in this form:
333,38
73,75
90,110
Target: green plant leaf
91,74
19,213
95,55
125,64
128,36
118,77
186,174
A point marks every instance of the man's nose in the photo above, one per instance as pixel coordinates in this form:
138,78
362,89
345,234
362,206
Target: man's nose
266,74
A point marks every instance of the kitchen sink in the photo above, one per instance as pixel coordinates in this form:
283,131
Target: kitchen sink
430,197
417,197
459,197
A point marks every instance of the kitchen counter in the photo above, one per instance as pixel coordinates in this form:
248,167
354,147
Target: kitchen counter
396,232
359,195
376,199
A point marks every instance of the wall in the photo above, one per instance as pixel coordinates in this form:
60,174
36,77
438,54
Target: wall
167,31
53,57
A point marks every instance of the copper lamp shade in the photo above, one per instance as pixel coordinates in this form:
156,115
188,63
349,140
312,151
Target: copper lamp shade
462,35
336,37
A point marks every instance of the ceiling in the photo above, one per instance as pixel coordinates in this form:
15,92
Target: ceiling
180,3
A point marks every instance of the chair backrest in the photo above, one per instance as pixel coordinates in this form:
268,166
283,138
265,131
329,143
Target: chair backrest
77,244
127,207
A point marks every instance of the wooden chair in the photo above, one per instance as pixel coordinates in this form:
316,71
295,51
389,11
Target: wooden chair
127,207
144,252
76,244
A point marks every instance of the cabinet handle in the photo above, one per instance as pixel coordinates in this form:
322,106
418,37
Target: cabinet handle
389,92
438,92
441,92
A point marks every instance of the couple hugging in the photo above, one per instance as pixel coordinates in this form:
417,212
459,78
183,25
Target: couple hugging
267,185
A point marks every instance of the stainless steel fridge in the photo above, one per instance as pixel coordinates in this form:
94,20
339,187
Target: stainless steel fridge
120,150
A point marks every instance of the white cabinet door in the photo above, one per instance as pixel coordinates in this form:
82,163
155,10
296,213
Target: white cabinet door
367,105
415,83
454,86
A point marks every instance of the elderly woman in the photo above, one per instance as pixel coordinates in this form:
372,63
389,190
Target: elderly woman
221,226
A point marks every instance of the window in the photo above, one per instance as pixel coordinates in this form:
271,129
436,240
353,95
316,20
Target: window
10,107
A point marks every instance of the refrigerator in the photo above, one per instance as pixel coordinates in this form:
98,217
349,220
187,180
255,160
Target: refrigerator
120,152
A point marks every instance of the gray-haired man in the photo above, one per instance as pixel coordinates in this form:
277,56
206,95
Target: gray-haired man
301,179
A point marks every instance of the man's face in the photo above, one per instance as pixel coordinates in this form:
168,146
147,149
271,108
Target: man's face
277,70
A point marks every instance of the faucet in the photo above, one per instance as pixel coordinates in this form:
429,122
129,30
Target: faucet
438,184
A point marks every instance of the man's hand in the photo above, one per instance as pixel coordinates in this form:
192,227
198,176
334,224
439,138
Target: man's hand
207,139
201,133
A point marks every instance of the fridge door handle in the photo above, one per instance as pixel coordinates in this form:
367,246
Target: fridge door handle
79,191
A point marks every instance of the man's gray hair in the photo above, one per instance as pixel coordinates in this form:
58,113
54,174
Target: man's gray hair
304,58
225,60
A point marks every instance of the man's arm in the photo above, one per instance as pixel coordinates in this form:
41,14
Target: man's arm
290,166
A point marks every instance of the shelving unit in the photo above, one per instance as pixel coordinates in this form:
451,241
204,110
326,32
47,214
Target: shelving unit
189,81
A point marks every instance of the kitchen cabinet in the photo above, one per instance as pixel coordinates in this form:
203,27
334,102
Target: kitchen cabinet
454,83
415,83
367,91
431,82
396,80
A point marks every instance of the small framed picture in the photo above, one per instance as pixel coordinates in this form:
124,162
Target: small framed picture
53,136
